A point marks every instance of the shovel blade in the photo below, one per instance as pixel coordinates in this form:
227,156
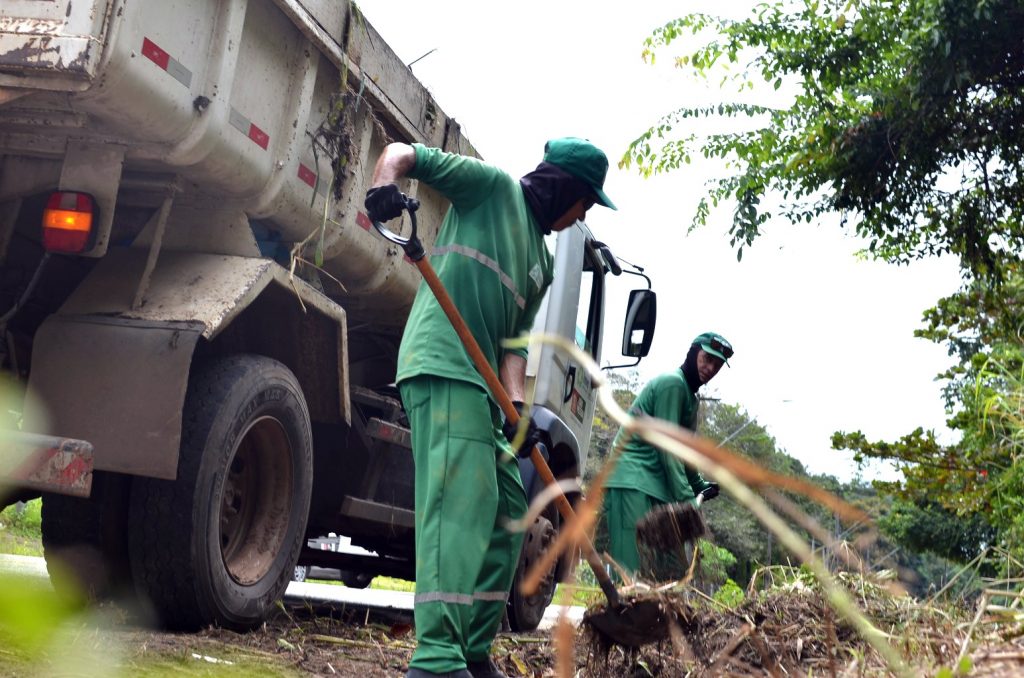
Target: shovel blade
634,624
670,526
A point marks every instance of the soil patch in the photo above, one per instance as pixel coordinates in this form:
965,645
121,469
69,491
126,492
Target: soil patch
786,631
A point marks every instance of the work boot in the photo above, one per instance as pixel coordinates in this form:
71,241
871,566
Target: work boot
484,668
420,673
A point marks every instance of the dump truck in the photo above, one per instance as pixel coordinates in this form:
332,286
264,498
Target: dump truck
200,326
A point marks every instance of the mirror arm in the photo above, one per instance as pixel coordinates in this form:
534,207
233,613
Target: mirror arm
640,272
615,263
616,367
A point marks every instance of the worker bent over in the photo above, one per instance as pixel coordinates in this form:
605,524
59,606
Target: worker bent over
491,257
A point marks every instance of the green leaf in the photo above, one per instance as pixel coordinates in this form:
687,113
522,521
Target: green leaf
29,611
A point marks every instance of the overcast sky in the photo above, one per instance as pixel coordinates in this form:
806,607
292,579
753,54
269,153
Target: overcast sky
824,339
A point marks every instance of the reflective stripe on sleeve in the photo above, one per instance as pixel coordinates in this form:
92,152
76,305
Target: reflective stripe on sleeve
479,256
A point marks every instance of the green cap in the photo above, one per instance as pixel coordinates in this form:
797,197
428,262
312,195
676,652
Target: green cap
583,160
715,344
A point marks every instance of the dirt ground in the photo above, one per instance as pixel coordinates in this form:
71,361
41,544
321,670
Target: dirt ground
786,634
781,635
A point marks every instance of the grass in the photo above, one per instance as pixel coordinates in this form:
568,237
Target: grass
380,583
76,643
582,595
20,529
392,584
197,664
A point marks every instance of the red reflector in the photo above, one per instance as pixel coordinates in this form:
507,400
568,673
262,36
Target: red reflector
67,222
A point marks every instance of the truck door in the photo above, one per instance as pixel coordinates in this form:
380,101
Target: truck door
574,310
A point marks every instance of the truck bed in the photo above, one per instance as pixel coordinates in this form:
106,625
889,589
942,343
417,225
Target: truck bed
273,109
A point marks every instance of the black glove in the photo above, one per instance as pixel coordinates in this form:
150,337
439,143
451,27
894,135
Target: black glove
709,492
384,203
532,432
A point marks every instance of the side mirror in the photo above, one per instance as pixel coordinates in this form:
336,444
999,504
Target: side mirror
638,333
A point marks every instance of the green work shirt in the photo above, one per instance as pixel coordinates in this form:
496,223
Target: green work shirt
491,257
643,467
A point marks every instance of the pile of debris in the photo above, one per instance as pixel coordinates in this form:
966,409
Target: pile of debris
787,629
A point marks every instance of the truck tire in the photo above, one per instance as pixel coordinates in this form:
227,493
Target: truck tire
85,542
218,545
526,612
356,580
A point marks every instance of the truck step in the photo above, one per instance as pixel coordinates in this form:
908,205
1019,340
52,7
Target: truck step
364,396
389,433
363,509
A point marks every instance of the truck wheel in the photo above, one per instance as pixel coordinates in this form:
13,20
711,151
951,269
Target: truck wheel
525,612
356,580
219,544
84,541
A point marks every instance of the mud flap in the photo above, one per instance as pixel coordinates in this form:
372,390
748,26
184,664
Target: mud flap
116,383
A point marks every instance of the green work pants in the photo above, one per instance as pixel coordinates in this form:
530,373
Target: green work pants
623,508
467,488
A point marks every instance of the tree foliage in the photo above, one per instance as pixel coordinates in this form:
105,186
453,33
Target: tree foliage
740,543
981,476
929,527
907,118
625,387
737,529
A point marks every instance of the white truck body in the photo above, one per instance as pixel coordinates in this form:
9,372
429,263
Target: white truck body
226,146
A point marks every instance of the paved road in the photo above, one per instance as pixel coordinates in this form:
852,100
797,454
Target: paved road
392,600
24,565
311,591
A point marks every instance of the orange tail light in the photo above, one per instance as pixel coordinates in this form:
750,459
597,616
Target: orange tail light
67,222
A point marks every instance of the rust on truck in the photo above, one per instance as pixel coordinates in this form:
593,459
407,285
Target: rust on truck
64,43
30,26
48,463
33,52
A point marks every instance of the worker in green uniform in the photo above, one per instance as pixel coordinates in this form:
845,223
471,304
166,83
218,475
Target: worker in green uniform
491,257
644,476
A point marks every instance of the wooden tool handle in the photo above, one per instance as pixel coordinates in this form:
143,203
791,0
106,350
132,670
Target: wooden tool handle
512,414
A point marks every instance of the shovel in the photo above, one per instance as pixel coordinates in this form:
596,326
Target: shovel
617,621
665,529
670,526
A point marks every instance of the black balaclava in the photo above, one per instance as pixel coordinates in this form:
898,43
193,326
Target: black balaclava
550,191
689,368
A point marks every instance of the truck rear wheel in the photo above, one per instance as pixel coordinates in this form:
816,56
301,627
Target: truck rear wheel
526,612
219,544
84,541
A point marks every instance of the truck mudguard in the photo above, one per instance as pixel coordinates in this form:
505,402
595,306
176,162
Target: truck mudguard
116,375
118,384
562,449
